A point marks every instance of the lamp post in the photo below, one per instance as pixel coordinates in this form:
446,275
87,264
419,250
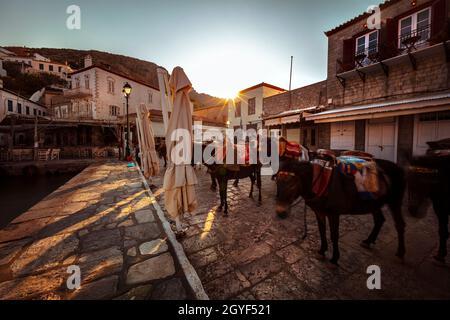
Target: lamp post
127,92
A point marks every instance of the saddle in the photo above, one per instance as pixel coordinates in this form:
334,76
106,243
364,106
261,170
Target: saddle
241,157
360,166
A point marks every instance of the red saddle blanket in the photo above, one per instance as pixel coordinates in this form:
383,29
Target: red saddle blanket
290,149
241,155
321,178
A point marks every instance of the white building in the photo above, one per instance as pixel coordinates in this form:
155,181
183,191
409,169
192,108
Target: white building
96,94
246,110
36,63
13,104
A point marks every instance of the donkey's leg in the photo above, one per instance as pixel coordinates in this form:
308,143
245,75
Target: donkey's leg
236,182
396,211
213,182
443,232
322,223
334,231
252,183
258,182
378,219
225,195
221,187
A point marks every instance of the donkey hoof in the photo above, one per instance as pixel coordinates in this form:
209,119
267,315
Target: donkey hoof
333,264
400,254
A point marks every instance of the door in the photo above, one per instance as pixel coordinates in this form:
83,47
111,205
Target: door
381,138
430,127
343,135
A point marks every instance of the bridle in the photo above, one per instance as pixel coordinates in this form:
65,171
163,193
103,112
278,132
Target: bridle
292,174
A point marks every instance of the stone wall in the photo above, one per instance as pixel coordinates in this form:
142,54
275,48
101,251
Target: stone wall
309,96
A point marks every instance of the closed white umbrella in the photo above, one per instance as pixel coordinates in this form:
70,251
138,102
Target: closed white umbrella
149,158
180,178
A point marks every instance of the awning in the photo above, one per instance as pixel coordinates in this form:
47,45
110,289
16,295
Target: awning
285,117
429,103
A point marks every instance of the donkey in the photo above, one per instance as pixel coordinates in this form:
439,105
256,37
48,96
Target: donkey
429,178
295,179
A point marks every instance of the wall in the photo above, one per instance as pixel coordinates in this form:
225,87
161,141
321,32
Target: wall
308,96
259,94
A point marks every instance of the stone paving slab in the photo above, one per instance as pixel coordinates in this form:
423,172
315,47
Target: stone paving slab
102,221
252,254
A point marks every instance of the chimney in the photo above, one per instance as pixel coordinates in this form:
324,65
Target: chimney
88,61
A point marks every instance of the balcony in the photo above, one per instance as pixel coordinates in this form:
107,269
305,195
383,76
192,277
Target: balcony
406,48
77,93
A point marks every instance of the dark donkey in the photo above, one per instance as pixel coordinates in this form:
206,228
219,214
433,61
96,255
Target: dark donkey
295,179
225,172
429,178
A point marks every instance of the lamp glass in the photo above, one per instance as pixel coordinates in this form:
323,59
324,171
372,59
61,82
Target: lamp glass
126,89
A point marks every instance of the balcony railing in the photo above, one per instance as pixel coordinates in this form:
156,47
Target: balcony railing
367,56
414,40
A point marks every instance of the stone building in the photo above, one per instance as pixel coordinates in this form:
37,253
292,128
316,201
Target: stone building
388,88
284,112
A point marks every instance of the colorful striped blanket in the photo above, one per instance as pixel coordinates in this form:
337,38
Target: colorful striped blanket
365,173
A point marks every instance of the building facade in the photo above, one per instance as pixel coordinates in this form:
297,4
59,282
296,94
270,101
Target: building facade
35,63
284,112
387,88
246,110
96,94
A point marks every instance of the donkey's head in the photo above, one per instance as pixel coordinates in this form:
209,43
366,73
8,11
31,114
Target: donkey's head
293,180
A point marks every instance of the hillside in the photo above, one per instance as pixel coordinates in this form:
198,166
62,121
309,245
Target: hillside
141,70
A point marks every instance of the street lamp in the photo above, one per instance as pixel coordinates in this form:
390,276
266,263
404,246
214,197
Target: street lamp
127,92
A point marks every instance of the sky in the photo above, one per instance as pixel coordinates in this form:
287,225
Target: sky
224,46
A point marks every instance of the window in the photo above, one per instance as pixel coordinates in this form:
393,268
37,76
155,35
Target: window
150,97
111,86
10,106
34,112
77,83
86,81
59,69
40,113
237,110
50,67
113,111
251,106
19,108
41,66
366,47
415,28
27,110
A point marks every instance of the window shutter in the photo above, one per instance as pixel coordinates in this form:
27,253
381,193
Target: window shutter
438,21
389,39
348,58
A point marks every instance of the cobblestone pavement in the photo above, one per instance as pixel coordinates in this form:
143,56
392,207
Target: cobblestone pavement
252,254
102,221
